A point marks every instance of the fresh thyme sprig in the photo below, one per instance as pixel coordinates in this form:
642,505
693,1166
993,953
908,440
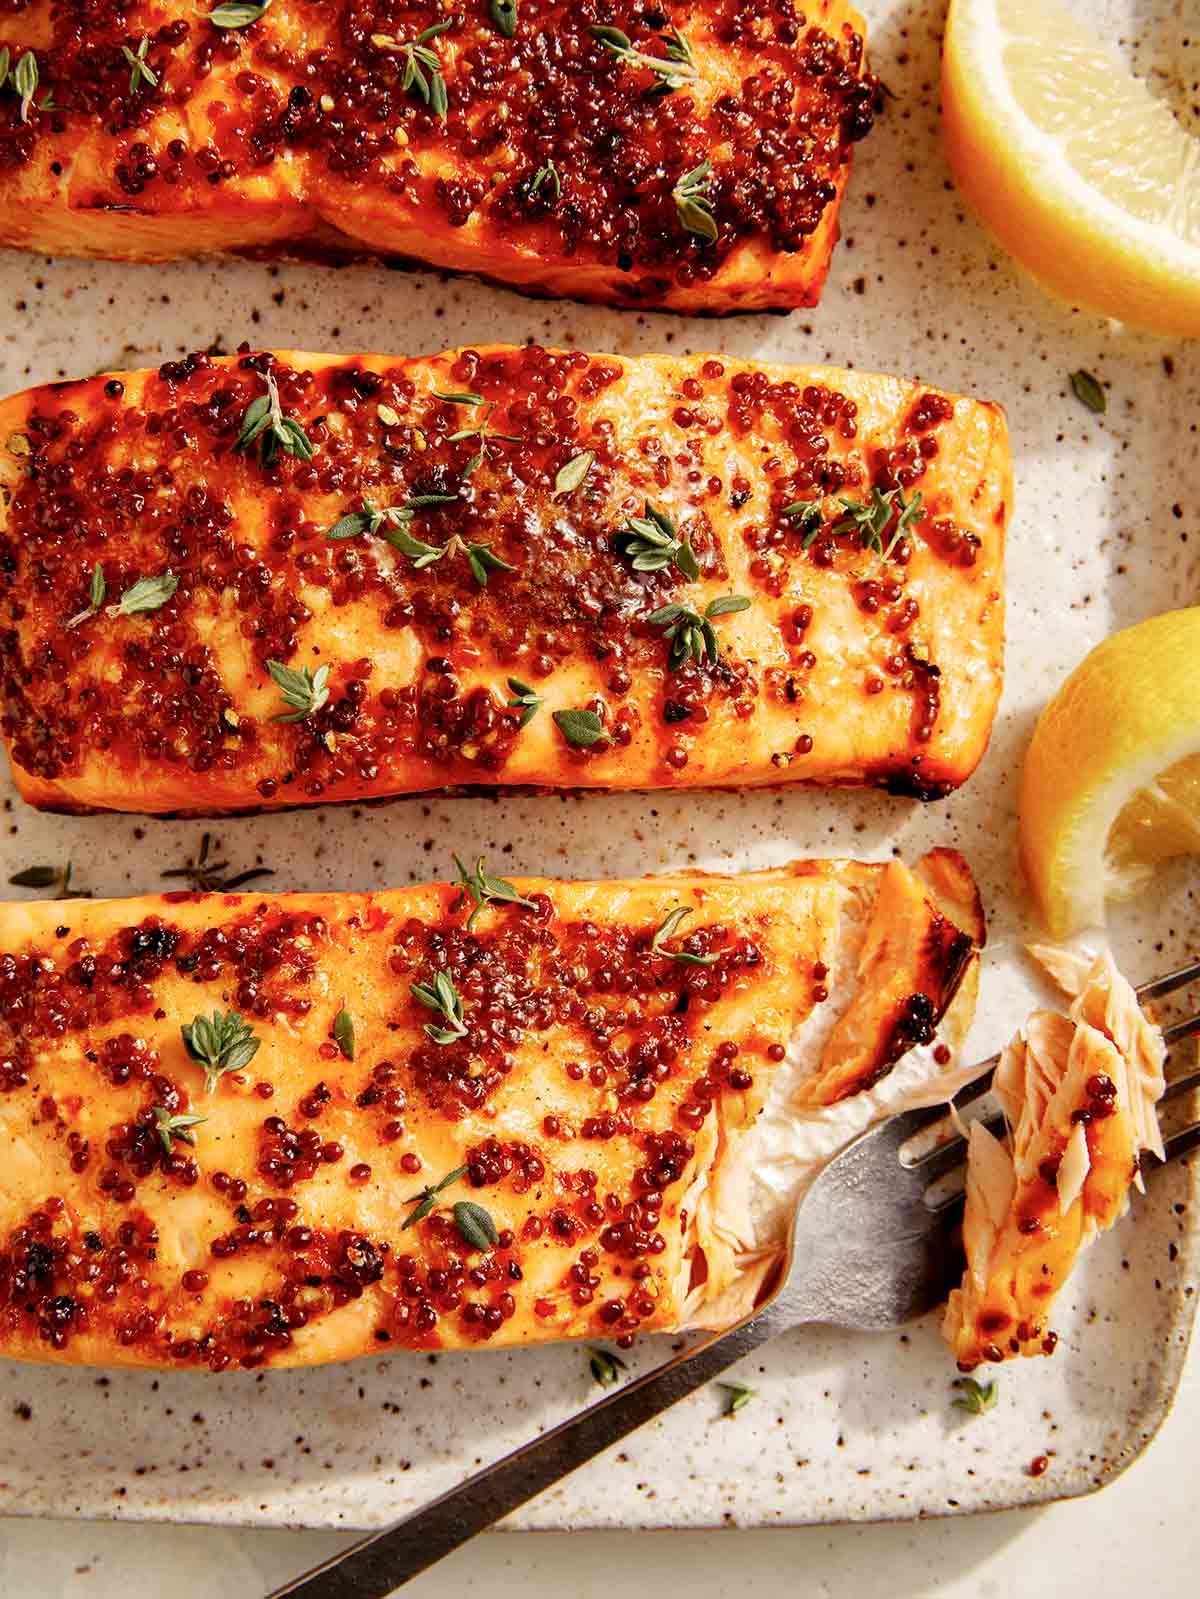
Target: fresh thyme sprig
868,519
388,517
692,635
549,176
426,1200
526,701
97,591
693,202
484,889
673,70
975,1398
175,1127
606,1368
652,542
222,1043
667,928
482,432
265,422
304,691
238,13
49,877
480,558
139,71
442,997
422,72
206,877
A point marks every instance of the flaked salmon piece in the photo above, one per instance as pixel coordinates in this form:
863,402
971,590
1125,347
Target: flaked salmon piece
689,156
581,1085
285,579
1078,1093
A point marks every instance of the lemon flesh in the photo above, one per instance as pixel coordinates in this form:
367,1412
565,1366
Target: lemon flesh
1111,782
1086,178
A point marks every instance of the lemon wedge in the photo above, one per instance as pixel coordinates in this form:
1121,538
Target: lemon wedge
1111,782
1085,177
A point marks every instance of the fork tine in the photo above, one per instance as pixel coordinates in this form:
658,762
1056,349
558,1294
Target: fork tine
1179,1030
1169,982
1180,1143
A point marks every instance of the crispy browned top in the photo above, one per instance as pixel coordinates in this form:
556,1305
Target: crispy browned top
841,666
552,144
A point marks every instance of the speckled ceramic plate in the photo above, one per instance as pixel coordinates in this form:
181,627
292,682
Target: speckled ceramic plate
1106,532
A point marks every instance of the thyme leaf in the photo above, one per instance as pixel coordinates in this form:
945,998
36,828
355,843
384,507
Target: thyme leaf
475,1225
549,176
421,73
606,1368
97,591
49,877
25,82
504,14
526,700
139,72
442,997
426,1200
220,1043
868,520
304,691
343,1032
739,1396
580,728
371,518
175,1127
147,594
237,13
692,635
574,473
667,928
651,543
673,70
1089,391
484,889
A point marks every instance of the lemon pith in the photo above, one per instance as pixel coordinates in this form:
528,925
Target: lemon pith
1086,178
1111,781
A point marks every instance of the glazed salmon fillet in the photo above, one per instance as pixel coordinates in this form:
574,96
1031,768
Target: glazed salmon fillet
281,1130
276,579
684,156
1078,1092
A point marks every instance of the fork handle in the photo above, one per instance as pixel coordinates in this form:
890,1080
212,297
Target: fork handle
376,1565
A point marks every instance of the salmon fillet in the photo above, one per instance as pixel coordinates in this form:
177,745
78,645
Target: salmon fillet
1078,1093
496,566
242,1130
686,156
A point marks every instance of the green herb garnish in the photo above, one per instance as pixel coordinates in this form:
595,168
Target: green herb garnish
976,1398
605,1368
692,636
580,728
222,1043
504,14
667,928
139,72
693,203
426,1200
343,1032
868,519
651,543
1090,391
549,176
371,518
97,590
175,1127
482,433
739,1396
442,996
479,556
49,877
25,82
526,701
238,13
205,876
265,422
574,474
674,69
304,691
475,1225
422,72
147,594
483,890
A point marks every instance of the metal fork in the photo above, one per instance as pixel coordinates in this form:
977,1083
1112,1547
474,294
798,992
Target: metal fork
869,1248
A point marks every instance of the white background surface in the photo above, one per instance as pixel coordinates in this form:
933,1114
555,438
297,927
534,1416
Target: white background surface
1140,1536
